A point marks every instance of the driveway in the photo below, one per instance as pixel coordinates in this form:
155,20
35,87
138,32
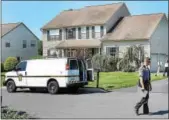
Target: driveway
89,103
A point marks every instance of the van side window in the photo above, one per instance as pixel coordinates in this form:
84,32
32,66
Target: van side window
21,66
73,65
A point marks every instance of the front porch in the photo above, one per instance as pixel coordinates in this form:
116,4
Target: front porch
76,48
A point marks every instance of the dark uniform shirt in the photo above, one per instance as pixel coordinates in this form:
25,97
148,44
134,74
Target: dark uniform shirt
144,72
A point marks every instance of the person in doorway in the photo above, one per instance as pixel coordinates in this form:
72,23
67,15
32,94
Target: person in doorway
144,86
166,68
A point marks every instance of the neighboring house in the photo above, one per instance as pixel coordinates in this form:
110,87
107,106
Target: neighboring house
150,31
107,29
18,41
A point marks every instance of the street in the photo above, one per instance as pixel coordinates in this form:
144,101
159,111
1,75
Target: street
89,103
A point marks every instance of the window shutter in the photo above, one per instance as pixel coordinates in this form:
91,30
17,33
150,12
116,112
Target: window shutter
93,32
79,33
87,32
101,31
60,34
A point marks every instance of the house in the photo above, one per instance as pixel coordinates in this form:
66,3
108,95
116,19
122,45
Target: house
149,30
73,30
106,29
18,41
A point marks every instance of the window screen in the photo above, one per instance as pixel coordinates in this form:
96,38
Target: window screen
7,44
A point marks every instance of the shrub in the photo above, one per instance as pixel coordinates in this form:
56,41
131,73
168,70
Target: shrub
105,63
7,113
10,63
2,67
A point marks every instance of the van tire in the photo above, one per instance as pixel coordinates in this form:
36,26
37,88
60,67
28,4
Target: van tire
53,87
11,87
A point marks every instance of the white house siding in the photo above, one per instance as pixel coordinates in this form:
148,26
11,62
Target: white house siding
124,44
159,44
16,37
121,12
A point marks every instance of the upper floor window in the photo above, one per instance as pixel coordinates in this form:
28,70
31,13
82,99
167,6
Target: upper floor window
55,34
79,33
33,43
93,32
87,32
24,44
7,44
71,33
101,31
113,51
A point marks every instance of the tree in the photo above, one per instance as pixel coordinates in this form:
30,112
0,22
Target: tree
40,47
132,59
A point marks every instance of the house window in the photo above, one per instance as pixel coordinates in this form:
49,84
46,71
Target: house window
87,32
101,31
33,43
55,34
24,44
93,32
113,51
7,44
79,33
71,33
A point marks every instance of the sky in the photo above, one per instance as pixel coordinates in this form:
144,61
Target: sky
35,14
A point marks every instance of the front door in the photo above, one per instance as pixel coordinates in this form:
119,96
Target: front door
21,79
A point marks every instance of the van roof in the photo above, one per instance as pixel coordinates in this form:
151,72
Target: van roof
50,59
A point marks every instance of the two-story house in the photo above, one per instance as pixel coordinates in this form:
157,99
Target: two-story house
74,31
107,29
18,41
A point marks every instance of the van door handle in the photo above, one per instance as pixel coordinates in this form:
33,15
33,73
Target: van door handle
25,73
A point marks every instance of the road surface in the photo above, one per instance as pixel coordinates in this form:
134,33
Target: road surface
89,103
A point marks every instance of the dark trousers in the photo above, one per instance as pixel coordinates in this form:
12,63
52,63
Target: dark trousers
144,102
166,71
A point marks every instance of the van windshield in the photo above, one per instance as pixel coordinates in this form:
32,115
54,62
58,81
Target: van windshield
73,65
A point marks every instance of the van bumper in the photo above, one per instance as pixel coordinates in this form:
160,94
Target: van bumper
78,84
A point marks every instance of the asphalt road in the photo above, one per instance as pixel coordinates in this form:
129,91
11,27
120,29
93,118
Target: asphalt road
89,103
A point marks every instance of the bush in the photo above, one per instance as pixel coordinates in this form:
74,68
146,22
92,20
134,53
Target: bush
105,63
2,67
129,68
10,63
7,113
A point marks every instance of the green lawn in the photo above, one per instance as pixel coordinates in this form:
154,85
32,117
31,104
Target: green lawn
115,80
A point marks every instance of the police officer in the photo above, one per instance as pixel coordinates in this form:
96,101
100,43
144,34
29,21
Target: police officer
144,86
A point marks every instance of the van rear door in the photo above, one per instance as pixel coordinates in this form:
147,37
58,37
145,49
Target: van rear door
73,71
90,70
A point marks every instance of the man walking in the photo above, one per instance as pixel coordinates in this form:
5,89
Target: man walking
144,85
166,68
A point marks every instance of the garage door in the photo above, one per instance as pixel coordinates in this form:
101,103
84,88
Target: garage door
155,58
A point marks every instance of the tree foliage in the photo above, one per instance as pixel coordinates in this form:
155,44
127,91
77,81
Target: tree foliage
10,63
132,59
40,47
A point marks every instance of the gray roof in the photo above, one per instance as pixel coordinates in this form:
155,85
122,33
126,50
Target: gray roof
90,15
136,27
6,28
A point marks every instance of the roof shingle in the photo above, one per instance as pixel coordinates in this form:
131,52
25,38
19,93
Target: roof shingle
137,27
90,15
6,28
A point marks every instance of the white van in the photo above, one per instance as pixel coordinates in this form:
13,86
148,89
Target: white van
51,73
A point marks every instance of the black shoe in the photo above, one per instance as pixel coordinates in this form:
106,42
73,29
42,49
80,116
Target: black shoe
136,111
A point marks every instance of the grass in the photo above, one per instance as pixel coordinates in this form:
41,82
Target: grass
116,80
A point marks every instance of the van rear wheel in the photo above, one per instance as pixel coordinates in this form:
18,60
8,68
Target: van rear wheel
53,87
11,87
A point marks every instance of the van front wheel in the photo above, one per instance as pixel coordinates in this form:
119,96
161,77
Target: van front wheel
53,87
11,87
